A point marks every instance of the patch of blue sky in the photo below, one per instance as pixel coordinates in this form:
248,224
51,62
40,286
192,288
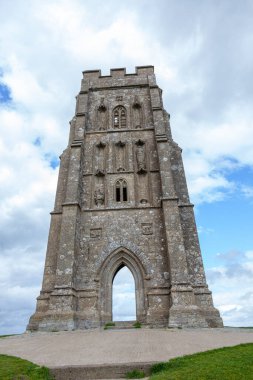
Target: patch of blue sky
242,176
225,226
52,160
37,141
5,94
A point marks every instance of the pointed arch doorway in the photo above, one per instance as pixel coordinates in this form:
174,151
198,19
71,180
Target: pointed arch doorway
112,265
123,295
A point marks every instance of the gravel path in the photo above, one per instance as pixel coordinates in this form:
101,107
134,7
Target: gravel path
94,347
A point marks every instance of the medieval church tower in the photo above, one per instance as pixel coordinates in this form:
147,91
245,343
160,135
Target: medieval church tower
122,200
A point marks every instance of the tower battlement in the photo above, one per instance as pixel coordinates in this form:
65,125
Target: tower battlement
119,72
143,76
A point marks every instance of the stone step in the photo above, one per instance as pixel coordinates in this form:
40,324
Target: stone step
104,371
120,325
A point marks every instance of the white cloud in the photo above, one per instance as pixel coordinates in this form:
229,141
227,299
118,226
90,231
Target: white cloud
231,283
124,302
247,191
20,275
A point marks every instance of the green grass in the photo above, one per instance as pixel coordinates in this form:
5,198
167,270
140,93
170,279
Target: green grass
137,325
250,327
6,336
108,325
228,363
135,374
239,327
13,368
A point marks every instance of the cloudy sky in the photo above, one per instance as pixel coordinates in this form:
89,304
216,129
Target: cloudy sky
202,53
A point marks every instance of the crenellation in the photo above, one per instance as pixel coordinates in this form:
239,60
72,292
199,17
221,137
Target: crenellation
118,73
139,71
144,70
88,74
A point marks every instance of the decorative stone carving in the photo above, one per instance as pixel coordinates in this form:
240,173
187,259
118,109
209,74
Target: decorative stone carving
102,115
102,106
95,232
101,145
147,228
120,156
140,157
137,114
136,103
119,98
99,159
99,196
82,245
100,173
120,144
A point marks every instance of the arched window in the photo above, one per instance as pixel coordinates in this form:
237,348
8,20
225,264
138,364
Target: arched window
119,117
121,191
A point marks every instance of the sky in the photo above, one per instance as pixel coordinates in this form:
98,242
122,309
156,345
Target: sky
202,53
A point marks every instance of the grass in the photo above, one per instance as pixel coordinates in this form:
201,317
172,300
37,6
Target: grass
137,325
13,368
6,336
250,327
108,325
239,327
135,374
228,363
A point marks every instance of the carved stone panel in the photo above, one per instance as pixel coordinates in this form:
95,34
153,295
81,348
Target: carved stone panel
95,233
147,228
140,157
143,189
120,156
99,195
102,116
99,158
137,113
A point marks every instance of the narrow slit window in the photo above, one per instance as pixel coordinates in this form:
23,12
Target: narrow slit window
123,118
116,118
117,194
124,194
121,191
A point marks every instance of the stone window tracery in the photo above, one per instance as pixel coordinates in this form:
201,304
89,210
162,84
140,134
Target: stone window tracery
121,194
119,117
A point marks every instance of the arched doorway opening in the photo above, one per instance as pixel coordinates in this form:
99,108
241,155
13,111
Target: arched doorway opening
123,295
113,263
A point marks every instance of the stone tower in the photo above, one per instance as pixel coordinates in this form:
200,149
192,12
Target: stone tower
122,200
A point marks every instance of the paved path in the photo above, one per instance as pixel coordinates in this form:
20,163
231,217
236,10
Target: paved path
95,347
